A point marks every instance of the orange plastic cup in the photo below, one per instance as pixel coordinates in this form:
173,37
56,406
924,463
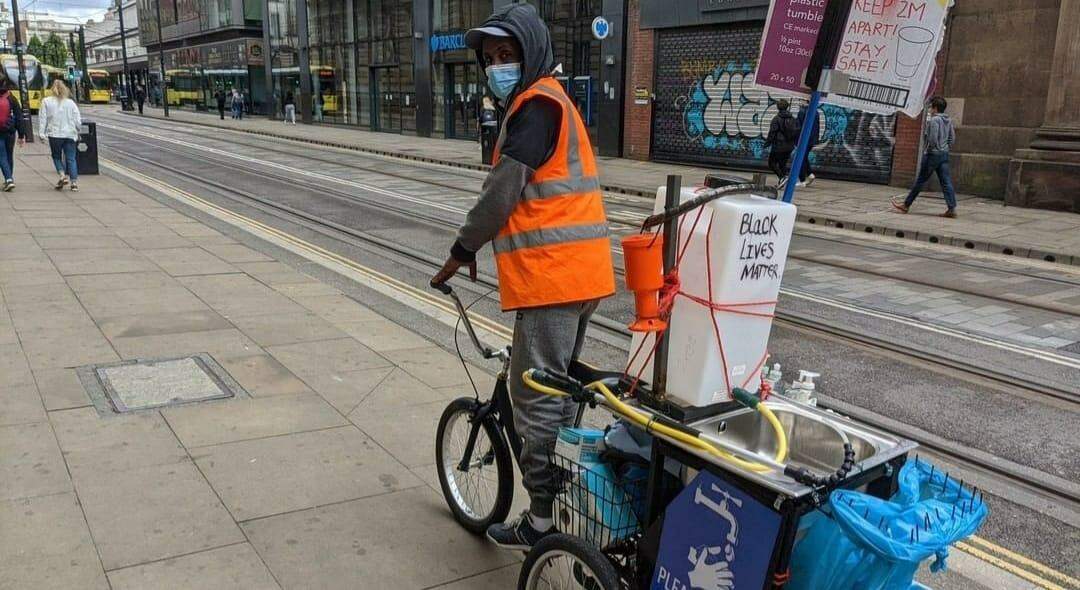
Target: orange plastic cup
643,255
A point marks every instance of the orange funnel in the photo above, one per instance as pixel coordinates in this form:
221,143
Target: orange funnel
643,255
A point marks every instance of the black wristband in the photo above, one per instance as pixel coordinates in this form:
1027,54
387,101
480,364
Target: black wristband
461,254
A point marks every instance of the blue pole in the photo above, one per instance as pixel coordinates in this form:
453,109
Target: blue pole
804,145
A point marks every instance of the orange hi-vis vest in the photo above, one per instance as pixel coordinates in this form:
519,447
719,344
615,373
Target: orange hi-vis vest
554,249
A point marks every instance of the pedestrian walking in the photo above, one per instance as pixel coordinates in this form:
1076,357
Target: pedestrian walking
140,97
939,135
290,108
10,127
234,103
806,173
220,97
783,134
541,209
59,121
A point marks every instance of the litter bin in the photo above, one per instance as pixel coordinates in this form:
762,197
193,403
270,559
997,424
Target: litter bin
86,156
125,103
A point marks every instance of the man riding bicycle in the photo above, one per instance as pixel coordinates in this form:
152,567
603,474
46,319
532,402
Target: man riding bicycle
541,209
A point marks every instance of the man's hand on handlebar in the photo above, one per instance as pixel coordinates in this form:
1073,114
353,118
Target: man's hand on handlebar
450,268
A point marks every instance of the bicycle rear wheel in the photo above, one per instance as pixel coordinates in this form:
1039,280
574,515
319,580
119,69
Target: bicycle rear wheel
480,494
566,562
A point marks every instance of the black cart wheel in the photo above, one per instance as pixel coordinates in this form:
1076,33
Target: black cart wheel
566,562
480,494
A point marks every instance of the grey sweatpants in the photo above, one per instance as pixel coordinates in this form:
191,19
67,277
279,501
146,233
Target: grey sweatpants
549,338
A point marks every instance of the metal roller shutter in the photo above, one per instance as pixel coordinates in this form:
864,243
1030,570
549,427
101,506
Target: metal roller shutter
708,110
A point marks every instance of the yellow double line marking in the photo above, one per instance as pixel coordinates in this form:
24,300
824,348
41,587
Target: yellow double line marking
977,547
1022,567
302,245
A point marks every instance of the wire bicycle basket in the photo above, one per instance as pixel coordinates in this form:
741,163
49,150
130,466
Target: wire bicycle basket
598,502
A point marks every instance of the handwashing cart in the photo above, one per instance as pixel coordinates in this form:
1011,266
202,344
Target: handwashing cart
721,498
725,527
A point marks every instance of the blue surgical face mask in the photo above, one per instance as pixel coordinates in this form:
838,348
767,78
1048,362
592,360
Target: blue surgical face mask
503,78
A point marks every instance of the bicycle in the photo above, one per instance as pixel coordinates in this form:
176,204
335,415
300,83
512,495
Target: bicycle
476,440
474,445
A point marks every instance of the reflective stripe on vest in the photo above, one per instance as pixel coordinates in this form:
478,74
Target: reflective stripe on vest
547,236
554,248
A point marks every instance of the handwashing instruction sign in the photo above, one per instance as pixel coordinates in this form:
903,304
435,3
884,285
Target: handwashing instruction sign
888,50
715,537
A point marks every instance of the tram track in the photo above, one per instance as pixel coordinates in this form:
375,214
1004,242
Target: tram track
637,206
1028,478
785,317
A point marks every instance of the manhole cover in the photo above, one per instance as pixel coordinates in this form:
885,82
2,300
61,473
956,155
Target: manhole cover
146,384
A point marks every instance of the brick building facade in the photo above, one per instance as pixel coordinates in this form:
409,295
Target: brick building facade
995,68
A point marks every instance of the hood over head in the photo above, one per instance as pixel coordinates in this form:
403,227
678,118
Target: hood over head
524,24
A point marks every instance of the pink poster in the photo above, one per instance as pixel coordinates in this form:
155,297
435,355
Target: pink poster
790,34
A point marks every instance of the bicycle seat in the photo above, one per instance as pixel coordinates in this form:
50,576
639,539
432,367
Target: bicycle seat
586,373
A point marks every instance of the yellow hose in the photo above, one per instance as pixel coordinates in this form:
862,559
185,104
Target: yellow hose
645,421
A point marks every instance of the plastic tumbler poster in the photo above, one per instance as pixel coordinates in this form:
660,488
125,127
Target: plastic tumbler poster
888,50
791,30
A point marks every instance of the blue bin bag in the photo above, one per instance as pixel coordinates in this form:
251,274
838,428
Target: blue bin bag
872,544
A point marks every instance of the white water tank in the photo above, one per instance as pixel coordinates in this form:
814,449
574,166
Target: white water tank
748,245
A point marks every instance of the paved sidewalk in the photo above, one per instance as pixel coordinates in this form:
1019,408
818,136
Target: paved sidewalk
984,224
319,473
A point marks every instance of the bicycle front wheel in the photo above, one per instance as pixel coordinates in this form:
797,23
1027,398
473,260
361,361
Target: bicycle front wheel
478,490
566,562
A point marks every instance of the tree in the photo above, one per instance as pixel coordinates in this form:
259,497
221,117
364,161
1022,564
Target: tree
55,51
36,48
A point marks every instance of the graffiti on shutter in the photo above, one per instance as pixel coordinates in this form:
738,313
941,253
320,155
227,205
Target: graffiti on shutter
708,110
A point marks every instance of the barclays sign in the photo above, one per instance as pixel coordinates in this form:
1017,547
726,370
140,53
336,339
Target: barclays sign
446,42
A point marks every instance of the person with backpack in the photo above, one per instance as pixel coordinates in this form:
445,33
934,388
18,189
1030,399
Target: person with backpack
59,121
783,134
10,126
220,97
806,173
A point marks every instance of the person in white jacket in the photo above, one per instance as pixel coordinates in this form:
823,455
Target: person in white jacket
59,121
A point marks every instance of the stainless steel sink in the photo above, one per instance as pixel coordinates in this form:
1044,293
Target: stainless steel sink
814,440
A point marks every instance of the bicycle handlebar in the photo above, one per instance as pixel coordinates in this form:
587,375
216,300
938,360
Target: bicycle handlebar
486,351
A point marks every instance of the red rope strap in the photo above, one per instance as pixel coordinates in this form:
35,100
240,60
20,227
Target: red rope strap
673,288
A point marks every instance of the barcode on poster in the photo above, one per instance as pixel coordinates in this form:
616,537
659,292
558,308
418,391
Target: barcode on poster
878,93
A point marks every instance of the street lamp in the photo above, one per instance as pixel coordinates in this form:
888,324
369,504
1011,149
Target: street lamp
24,94
161,60
123,50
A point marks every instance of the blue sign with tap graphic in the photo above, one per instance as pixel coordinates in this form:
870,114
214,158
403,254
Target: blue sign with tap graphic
715,537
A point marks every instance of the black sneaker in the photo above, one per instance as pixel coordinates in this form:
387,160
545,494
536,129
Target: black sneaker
74,188
516,534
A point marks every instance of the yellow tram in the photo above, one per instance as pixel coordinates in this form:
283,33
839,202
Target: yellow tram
100,86
10,64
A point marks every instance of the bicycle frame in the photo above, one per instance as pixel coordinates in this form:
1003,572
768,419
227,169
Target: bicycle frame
499,408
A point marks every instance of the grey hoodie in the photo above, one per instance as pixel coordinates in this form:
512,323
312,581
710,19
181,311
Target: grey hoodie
524,23
939,133
504,184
